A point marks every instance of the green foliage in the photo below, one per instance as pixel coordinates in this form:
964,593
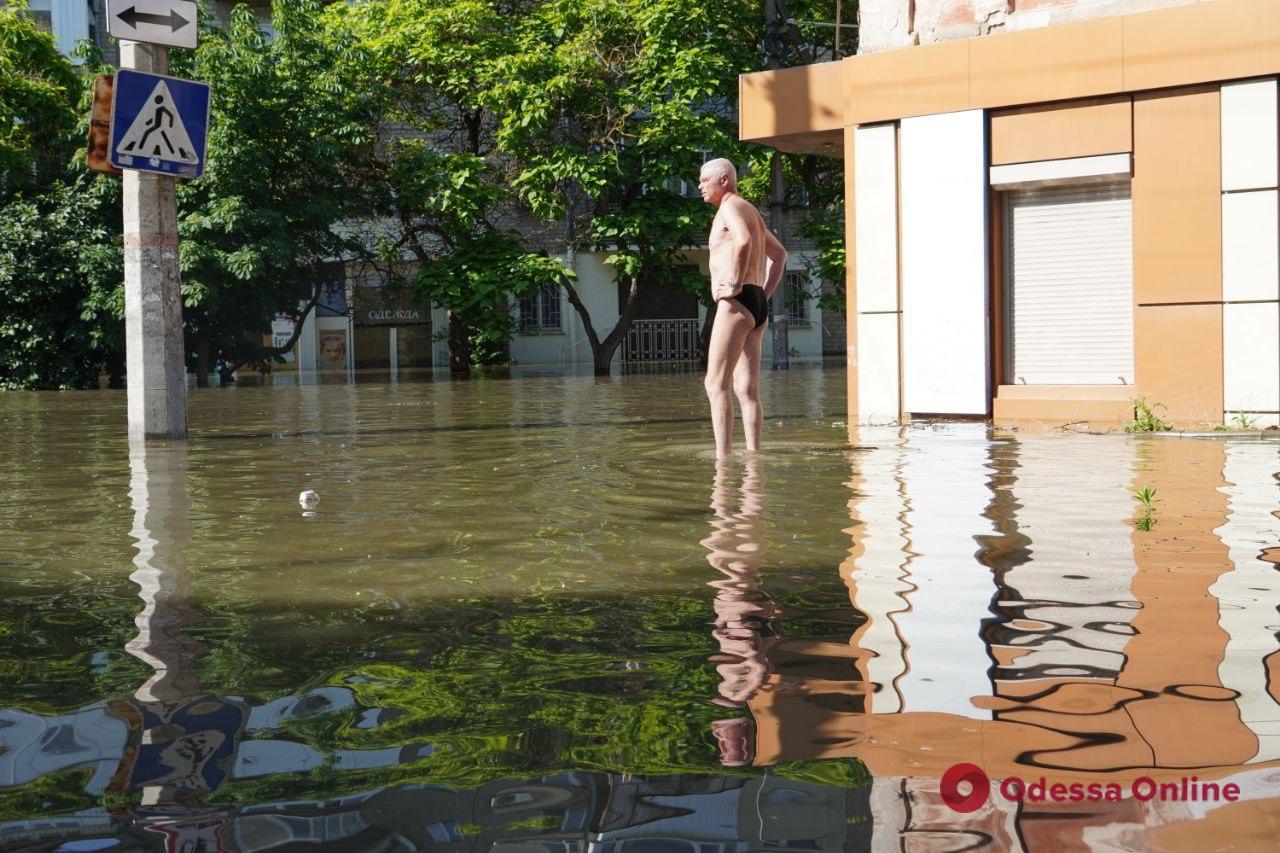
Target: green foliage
825,229
606,106
38,92
441,186
289,123
1147,500
60,297
1146,417
1242,421
57,793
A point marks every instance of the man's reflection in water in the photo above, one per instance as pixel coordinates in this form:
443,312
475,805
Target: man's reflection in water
744,614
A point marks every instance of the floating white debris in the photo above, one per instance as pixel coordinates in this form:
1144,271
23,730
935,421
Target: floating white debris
308,498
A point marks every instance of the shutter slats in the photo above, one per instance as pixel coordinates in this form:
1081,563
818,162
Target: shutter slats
1070,295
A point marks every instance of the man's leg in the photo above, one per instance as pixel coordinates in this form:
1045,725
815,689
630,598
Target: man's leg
746,384
728,333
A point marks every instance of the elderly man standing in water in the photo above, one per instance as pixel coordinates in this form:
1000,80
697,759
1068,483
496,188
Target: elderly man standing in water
746,264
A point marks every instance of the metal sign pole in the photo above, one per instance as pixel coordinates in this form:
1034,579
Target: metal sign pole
155,360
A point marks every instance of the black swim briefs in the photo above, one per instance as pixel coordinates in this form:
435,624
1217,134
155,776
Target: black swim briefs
752,298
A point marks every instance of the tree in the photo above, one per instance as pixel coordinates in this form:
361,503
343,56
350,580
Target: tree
606,104
289,125
60,296
60,254
38,94
445,193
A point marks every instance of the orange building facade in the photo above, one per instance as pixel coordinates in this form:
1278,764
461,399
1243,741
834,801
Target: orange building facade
1047,223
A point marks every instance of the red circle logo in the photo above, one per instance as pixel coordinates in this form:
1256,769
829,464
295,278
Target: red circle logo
979,787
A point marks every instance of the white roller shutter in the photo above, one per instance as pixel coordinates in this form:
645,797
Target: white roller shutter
1069,285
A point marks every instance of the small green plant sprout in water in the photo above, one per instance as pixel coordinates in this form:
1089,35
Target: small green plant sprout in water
1242,421
1146,498
1146,417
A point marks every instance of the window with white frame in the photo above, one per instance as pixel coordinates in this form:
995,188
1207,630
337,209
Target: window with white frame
540,310
796,292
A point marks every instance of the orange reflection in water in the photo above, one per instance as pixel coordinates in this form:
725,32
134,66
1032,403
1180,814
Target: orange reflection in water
1017,619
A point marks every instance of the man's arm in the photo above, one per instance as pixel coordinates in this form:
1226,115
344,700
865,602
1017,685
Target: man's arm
738,235
775,263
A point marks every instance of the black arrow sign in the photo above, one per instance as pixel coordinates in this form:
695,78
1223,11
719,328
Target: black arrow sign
132,17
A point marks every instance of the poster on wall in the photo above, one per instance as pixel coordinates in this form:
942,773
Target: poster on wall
333,291
332,349
281,332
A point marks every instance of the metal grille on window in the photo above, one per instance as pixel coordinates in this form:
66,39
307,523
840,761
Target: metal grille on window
550,308
540,311
797,295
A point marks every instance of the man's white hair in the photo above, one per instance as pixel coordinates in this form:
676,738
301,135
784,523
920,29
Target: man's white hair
721,166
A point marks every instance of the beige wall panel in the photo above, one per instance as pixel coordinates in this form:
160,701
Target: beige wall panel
1080,129
1050,64
1251,357
1222,40
790,101
910,82
1178,360
1177,205
1197,43
1250,250
1249,153
876,203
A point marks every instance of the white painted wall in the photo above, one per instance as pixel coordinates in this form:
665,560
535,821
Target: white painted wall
1251,251
876,272
945,367
71,19
1249,135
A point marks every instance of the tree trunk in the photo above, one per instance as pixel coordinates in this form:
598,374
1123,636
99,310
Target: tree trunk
778,304
202,360
602,355
459,345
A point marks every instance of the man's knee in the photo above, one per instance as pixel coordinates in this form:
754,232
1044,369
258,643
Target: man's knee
715,384
746,387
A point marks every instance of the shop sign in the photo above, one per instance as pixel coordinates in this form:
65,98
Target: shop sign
376,306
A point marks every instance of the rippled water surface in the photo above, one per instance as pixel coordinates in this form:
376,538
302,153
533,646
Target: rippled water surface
534,614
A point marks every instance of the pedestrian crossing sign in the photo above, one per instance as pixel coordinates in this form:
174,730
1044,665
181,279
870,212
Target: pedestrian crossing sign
159,124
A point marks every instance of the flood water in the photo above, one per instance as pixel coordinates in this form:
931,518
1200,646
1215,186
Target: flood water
534,614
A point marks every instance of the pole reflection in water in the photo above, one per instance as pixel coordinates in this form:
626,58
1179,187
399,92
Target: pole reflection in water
181,742
744,614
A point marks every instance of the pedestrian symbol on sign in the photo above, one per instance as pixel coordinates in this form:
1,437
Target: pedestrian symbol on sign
159,124
157,131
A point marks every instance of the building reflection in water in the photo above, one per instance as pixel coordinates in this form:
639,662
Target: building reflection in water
1104,653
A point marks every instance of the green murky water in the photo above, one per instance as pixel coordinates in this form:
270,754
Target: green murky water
534,614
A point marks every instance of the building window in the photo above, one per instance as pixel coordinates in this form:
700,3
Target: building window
796,291
42,18
540,310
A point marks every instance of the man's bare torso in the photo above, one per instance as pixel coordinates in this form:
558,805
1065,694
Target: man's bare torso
721,248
